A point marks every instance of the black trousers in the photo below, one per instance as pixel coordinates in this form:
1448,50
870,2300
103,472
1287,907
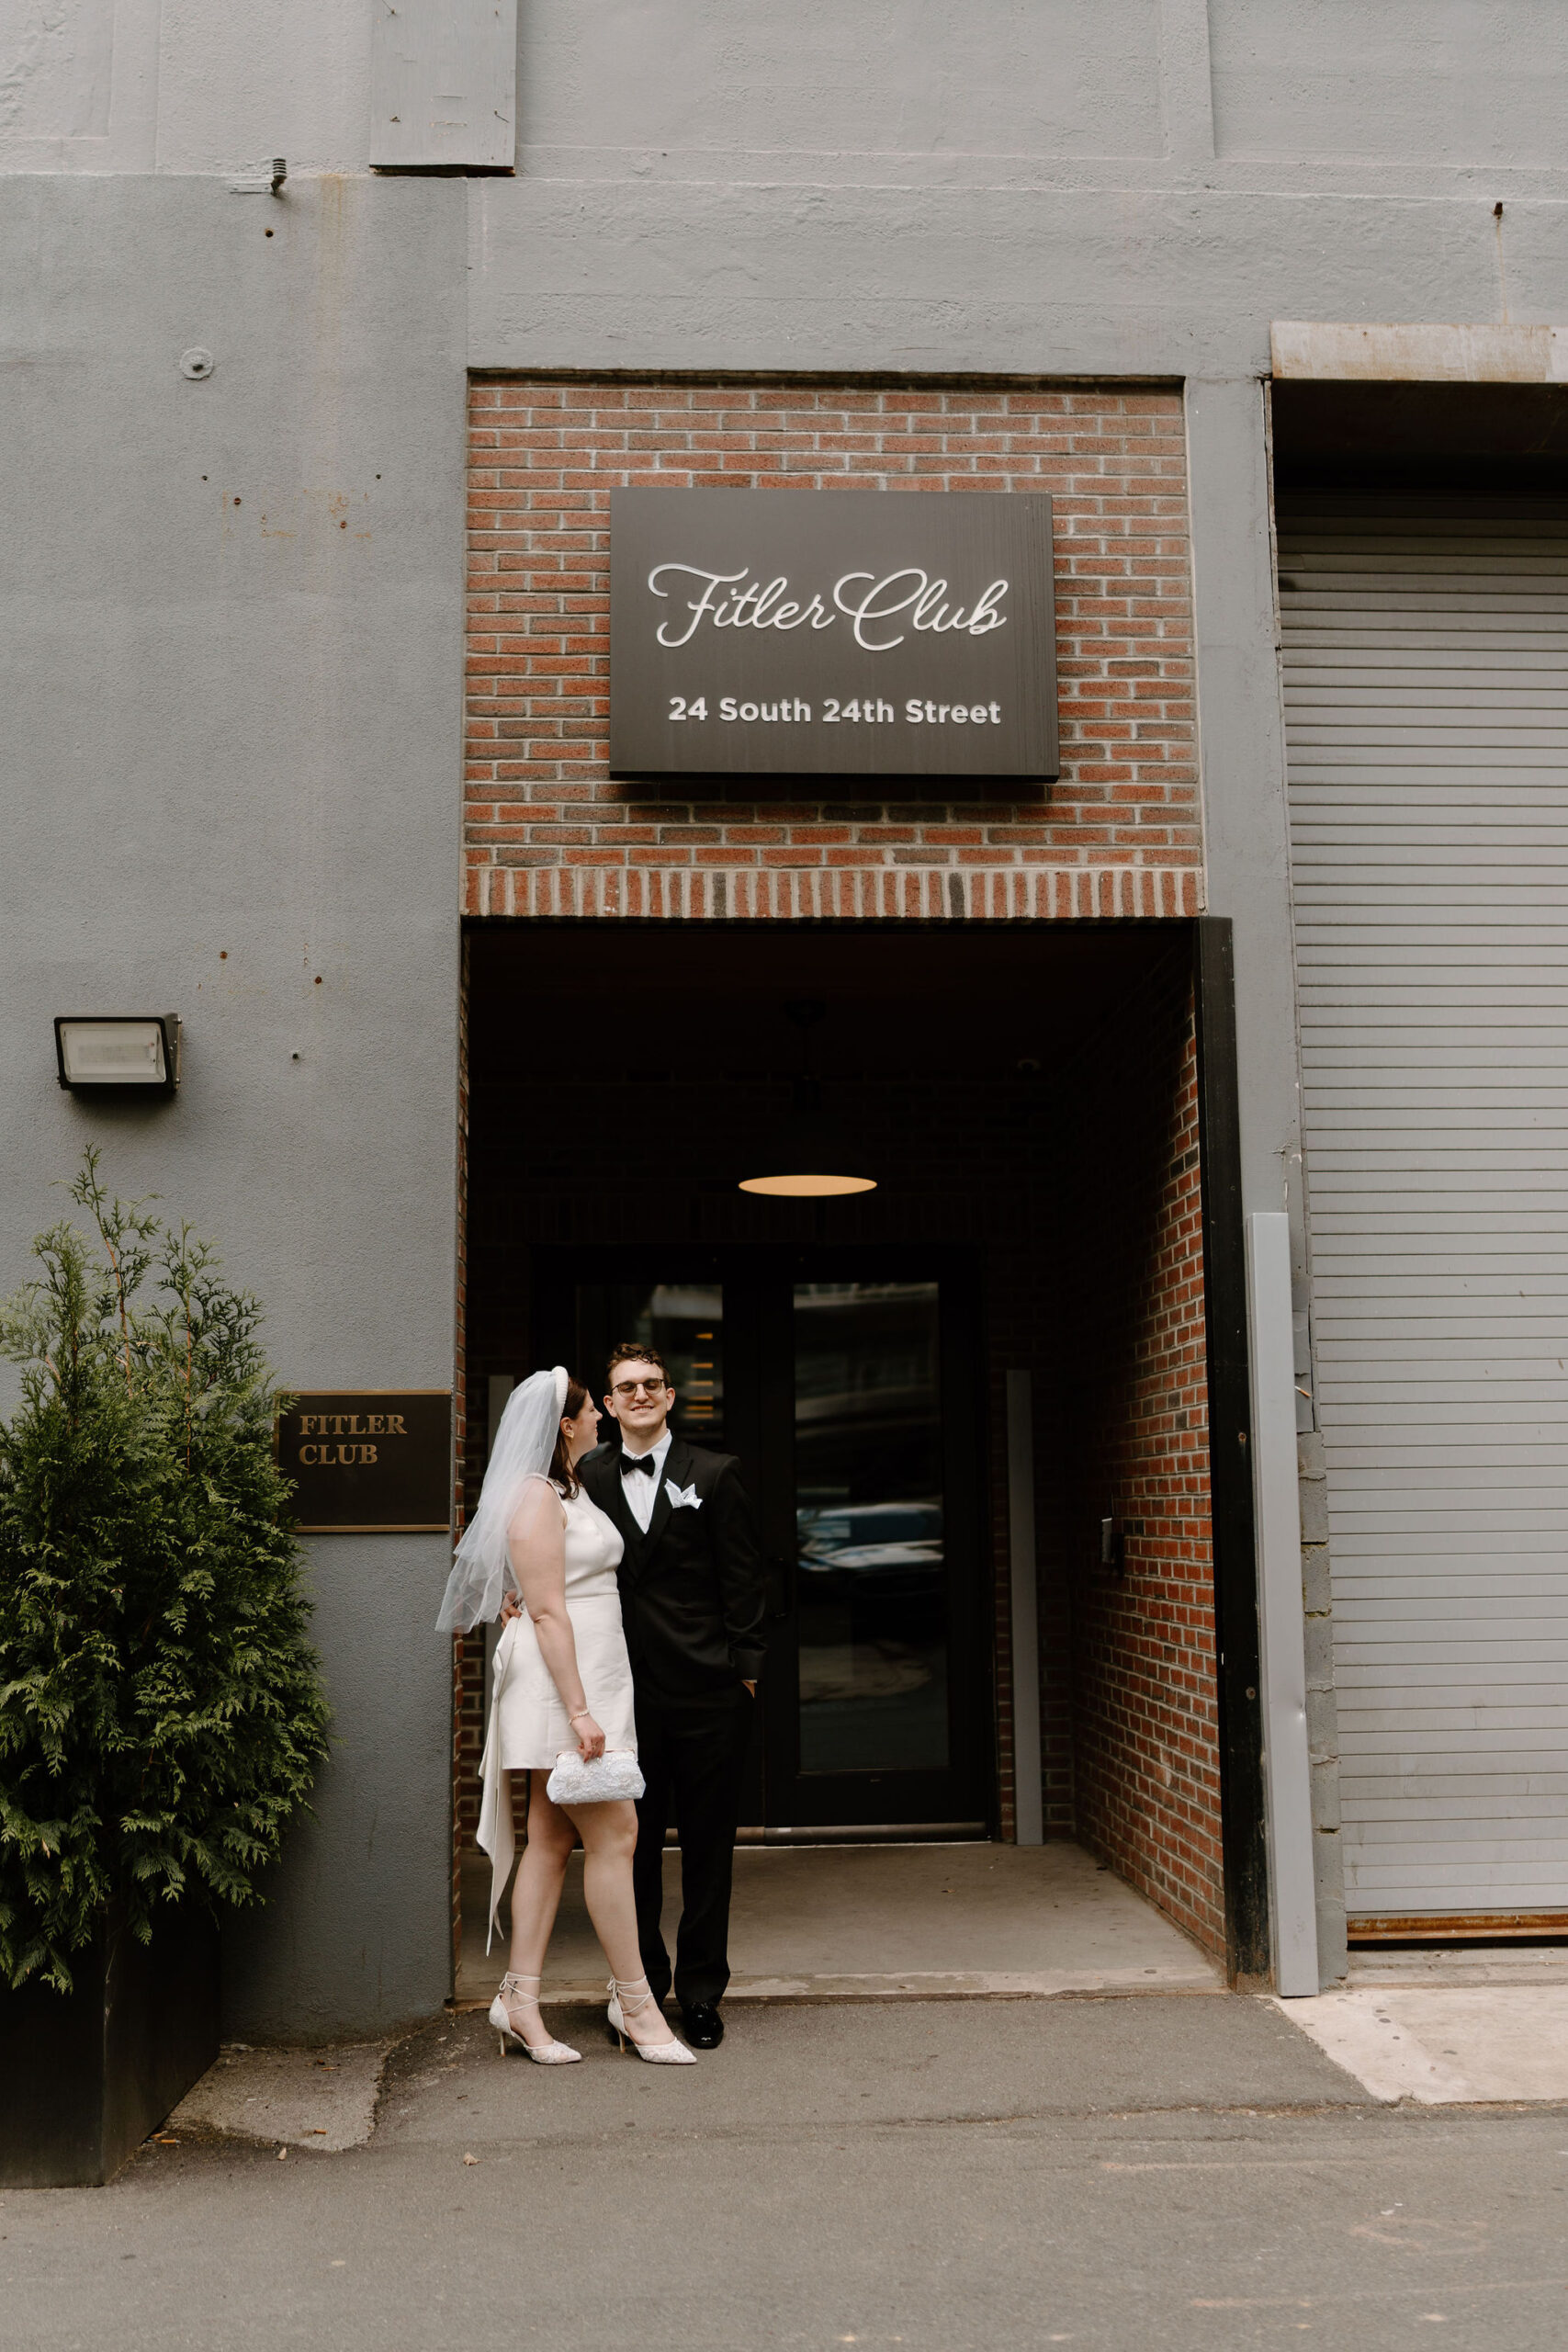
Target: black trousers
691,1752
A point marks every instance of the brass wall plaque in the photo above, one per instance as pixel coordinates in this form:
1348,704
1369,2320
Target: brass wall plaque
369,1460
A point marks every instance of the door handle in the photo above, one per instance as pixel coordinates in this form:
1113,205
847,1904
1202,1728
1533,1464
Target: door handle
780,1586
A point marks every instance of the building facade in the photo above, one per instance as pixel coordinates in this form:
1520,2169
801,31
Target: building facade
1167,1452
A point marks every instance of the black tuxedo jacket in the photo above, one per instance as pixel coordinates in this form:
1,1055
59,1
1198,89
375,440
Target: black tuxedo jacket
691,1593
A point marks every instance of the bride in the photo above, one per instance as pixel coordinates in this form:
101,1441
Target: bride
561,1676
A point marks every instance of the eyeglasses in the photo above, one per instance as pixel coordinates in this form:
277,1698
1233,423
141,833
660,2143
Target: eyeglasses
636,1387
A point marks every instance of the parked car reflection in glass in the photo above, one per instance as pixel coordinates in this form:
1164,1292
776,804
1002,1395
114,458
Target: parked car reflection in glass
886,1551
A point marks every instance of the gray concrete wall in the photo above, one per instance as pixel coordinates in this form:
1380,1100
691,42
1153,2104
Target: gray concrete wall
232,647
231,640
1134,188
184,86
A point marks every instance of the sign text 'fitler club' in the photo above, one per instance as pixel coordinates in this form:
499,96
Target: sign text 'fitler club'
831,633
368,1460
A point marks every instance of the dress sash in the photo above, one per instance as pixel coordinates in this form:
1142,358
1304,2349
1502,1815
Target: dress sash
496,1836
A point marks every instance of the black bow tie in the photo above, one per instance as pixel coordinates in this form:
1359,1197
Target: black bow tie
630,1462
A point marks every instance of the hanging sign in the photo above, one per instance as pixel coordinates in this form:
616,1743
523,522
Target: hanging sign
831,633
369,1460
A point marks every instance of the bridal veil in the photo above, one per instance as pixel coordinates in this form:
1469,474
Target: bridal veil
524,1447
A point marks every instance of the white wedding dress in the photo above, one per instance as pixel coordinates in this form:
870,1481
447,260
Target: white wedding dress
528,1727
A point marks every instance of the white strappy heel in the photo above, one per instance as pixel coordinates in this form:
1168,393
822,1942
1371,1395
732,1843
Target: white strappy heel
549,2054
628,2000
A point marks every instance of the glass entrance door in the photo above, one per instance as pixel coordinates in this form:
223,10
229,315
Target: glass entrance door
871,1590
683,1320
849,1389
878,1710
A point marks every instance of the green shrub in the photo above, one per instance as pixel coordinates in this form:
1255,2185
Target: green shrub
161,1710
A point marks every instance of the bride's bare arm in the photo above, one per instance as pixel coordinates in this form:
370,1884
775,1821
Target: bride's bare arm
536,1542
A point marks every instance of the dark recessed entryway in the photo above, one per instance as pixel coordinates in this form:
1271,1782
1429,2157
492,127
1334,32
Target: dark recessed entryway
1027,1097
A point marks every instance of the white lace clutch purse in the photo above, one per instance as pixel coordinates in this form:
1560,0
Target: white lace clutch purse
615,1774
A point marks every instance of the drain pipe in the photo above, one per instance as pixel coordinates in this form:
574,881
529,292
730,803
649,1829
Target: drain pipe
1292,1895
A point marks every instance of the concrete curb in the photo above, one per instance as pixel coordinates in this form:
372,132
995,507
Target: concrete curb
323,2101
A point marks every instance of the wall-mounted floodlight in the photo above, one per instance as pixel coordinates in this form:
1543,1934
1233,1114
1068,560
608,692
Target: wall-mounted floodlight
121,1051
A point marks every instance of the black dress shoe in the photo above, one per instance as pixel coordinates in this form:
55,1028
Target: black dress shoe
703,2026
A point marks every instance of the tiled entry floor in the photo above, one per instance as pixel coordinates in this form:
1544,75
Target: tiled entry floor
854,1922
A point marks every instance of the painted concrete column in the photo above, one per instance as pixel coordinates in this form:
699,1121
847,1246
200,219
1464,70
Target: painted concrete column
246,590
1247,849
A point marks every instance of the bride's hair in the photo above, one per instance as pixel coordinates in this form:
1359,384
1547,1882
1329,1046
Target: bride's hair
561,1472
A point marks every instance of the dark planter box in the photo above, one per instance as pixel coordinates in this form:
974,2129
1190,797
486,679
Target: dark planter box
85,2075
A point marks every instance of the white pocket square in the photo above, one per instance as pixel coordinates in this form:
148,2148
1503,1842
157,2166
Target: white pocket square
681,1497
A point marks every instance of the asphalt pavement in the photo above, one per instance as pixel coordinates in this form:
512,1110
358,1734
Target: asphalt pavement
1119,2172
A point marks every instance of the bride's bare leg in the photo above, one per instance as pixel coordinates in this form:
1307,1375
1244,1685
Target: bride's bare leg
541,1875
609,1839
535,1898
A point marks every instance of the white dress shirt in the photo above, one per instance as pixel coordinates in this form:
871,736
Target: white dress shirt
641,1491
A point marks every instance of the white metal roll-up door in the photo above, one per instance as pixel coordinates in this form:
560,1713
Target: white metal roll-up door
1425,663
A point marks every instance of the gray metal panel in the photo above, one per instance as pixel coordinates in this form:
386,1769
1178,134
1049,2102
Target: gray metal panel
1426,674
444,84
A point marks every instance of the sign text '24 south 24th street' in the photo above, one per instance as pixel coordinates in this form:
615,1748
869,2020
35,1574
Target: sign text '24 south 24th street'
793,710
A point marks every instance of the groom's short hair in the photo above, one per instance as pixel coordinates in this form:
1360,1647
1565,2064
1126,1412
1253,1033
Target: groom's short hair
628,1353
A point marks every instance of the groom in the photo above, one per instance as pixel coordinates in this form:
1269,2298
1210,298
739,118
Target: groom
692,1602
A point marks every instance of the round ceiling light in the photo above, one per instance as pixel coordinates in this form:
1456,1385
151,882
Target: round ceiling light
809,1157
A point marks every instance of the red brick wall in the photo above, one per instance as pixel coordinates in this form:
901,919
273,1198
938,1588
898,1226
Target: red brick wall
471,1447
1144,1701
546,831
